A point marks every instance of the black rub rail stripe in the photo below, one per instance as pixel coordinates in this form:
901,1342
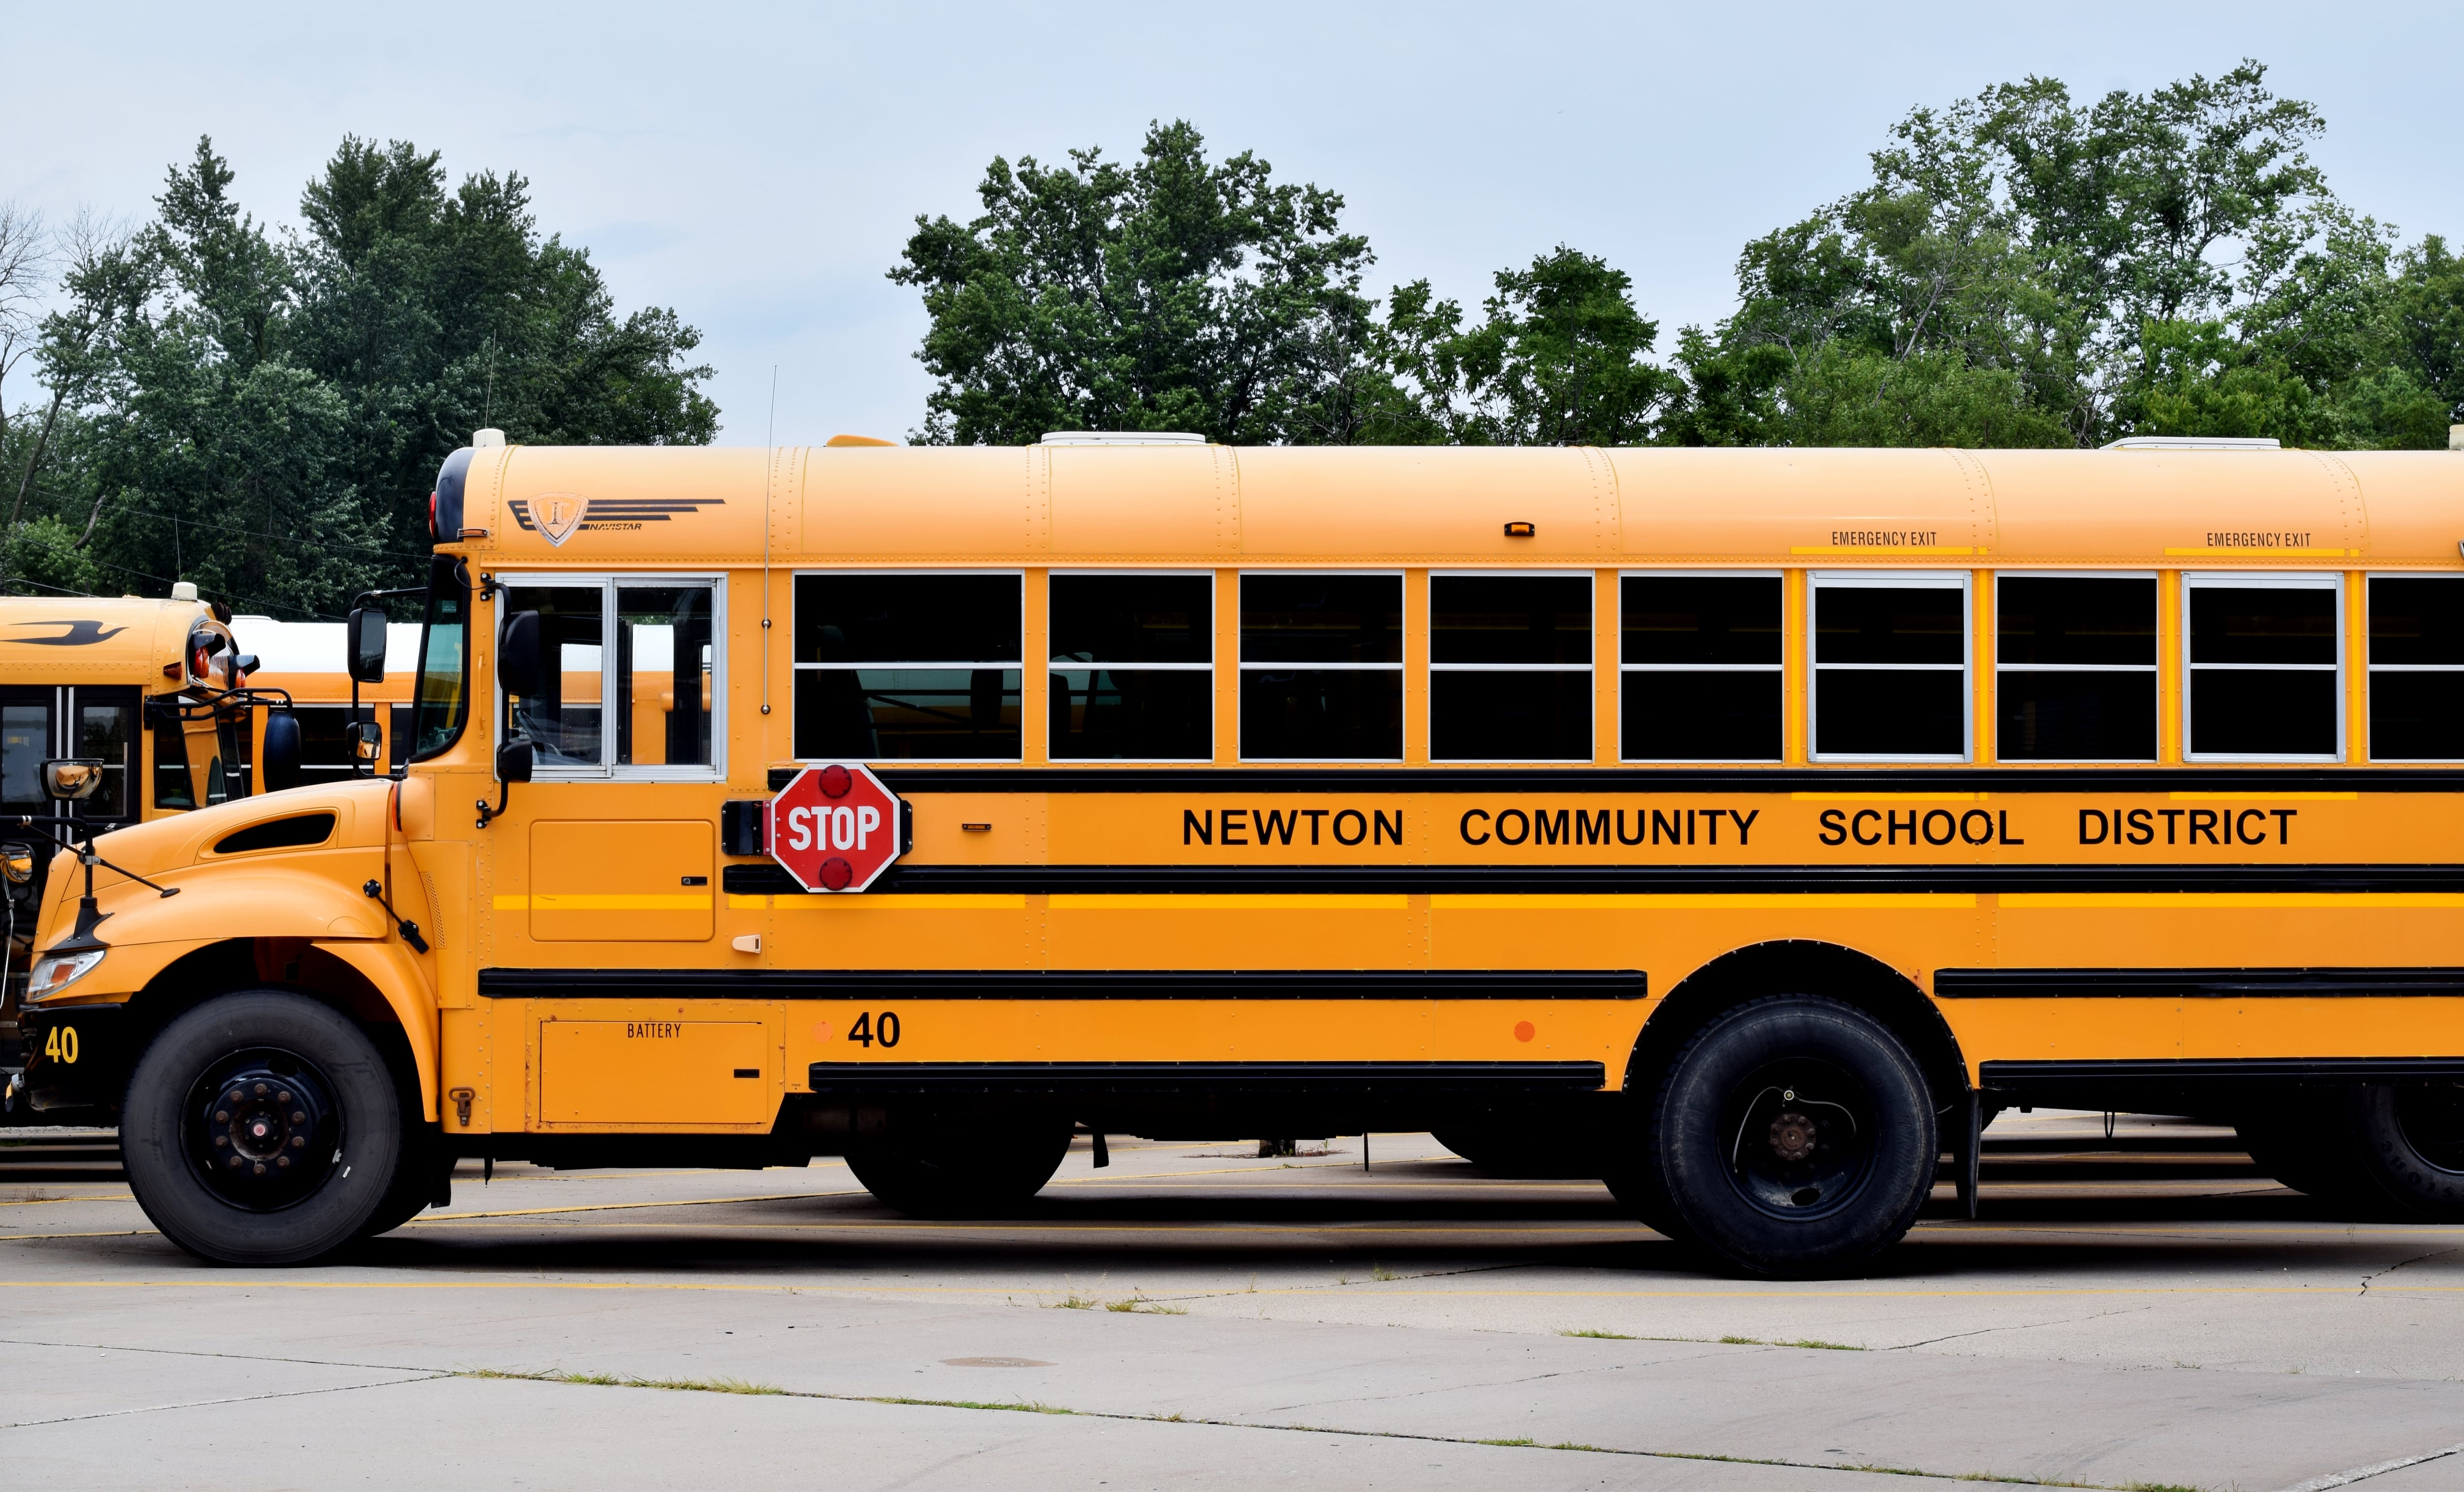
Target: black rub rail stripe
866,985
2192,983
1210,1076
2024,1076
769,880
1657,779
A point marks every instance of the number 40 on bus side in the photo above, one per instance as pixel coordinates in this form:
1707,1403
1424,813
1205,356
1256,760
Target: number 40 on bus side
870,1028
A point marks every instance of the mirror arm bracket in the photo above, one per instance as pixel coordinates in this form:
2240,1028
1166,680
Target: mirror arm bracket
505,796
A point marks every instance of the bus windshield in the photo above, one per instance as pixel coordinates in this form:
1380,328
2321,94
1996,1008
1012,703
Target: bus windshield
442,702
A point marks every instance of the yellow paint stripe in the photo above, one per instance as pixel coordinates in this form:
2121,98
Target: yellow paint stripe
2264,554
2198,900
1902,549
1889,798
894,901
1179,902
1743,901
566,901
2255,798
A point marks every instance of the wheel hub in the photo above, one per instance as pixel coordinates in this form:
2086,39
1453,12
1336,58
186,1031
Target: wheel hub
1792,1135
264,1133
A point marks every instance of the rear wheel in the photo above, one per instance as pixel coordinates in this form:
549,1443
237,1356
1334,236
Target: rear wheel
262,1127
942,1169
2407,1148
1794,1137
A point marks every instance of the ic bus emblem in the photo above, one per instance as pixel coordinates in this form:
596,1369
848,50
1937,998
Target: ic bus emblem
558,515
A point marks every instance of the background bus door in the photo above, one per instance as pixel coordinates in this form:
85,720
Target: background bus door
37,723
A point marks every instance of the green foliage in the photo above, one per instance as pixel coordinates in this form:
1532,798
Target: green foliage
2028,270
1169,293
264,413
1562,358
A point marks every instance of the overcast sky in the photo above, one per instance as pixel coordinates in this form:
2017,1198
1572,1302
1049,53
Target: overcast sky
758,167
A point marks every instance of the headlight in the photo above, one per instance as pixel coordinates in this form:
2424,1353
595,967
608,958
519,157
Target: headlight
56,972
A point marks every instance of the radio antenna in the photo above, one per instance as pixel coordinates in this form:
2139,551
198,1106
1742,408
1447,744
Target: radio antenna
769,480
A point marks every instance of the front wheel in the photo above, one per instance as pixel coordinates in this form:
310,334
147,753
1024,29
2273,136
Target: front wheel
1795,1137
262,1127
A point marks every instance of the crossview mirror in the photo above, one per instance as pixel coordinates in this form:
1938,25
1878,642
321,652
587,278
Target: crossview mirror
282,755
17,863
521,666
72,778
364,637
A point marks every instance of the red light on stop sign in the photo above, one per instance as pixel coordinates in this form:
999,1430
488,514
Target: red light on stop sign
835,829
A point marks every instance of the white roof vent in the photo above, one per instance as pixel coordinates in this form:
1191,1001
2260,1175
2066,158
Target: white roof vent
1121,438
2194,443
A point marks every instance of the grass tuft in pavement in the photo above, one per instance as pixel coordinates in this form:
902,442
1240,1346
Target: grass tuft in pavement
611,1380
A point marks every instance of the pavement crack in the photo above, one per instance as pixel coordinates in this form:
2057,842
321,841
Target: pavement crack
2021,1326
245,1357
2380,1274
235,1398
1385,1399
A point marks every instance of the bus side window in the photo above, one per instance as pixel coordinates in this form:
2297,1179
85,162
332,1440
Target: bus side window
909,667
173,787
663,675
2266,660
1700,676
2416,664
1321,668
2075,669
1510,668
1132,667
1890,667
107,730
563,722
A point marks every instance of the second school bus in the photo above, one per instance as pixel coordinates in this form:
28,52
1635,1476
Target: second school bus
1748,826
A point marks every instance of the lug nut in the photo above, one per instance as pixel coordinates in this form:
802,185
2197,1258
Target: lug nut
222,1116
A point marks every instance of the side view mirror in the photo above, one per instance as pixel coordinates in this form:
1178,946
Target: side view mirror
72,778
367,739
363,643
521,662
17,863
282,757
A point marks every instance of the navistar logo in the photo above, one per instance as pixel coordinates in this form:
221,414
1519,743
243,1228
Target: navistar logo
558,516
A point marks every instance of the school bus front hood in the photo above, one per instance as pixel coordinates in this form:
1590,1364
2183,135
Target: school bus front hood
285,864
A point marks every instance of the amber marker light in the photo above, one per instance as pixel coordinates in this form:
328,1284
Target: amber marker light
1521,530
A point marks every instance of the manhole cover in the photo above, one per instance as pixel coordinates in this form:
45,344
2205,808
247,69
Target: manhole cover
993,1362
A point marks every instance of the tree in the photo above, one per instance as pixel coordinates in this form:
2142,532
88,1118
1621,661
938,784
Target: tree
264,412
2026,269
1168,293
1561,358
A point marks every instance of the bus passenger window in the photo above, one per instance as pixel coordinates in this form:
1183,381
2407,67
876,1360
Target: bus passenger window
1700,672
107,731
1510,668
904,666
1890,667
1322,668
561,721
663,675
173,787
2264,674
25,741
2416,667
2075,669
1132,667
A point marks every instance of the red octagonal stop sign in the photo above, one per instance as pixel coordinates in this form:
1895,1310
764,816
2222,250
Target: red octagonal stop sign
835,827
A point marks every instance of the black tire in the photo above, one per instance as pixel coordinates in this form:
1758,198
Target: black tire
988,1169
314,1090
414,1181
2407,1148
1794,1137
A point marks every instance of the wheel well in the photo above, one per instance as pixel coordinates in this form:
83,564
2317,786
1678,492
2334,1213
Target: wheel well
292,964
1795,967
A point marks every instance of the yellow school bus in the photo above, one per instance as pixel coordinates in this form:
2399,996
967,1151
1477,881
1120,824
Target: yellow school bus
143,688
1747,826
